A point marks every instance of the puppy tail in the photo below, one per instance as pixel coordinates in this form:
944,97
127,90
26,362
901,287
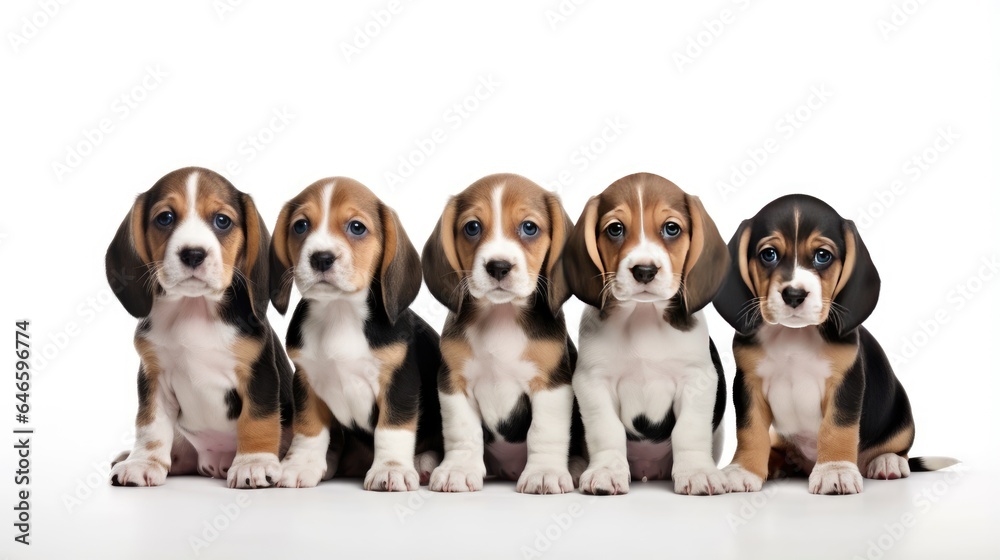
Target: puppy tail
925,464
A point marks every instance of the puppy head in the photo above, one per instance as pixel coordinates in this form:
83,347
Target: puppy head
798,263
335,240
193,234
645,240
500,241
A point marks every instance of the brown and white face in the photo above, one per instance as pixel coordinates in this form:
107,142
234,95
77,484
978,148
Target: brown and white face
191,232
496,240
799,263
640,241
334,240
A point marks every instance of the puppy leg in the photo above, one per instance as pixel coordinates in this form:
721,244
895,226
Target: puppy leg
258,428
695,471
463,467
836,470
748,469
608,471
547,469
149,461
307,461
393,468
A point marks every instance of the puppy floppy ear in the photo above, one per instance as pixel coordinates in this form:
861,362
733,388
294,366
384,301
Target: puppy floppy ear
557,291
255,266
581,260
442,272
126,263
707,259
280,262
737,300
400,271
857,290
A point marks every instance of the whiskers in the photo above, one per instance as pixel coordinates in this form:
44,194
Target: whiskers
609,282
752,312
837,313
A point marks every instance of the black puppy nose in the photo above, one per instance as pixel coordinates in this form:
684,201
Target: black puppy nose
644,273
794,296
192,256
322,261
498,269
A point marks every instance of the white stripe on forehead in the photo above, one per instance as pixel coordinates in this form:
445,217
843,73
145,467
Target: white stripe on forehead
642,226
497,211
327,197
192,192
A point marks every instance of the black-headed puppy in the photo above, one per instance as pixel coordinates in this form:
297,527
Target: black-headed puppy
190,262
366,365
505,392
800,285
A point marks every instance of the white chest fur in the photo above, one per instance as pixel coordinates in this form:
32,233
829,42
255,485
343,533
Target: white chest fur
496,375
794,371
338,362
645,361
197,367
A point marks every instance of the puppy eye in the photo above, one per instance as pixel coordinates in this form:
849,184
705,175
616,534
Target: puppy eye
769,256
670,229
615,230
356,228
473,228
822,257
223,221
165,218
529,228
300,226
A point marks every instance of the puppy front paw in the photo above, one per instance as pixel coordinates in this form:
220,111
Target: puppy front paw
254,470
541,480
138,472
392,476
742,480
457,477
835,477
605,480
300,470
700,482
888,466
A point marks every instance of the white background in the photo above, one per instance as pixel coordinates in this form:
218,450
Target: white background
558,85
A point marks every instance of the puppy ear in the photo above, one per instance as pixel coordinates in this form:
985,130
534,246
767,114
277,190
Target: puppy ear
256,268
400,271
280,263
557,291
126,263
440,261
707,259
857,290
582,264
737,300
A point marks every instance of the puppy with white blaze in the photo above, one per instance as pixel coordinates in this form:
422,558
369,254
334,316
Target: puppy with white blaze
646,257
190,261
506,399
815,395
366,365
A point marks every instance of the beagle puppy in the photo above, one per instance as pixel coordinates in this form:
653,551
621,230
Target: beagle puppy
800,285
506,399
190,262
646,257
365,364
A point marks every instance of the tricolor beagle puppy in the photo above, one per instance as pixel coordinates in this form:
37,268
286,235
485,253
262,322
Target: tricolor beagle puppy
493,260
366,365
800,285
646,257
190,261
